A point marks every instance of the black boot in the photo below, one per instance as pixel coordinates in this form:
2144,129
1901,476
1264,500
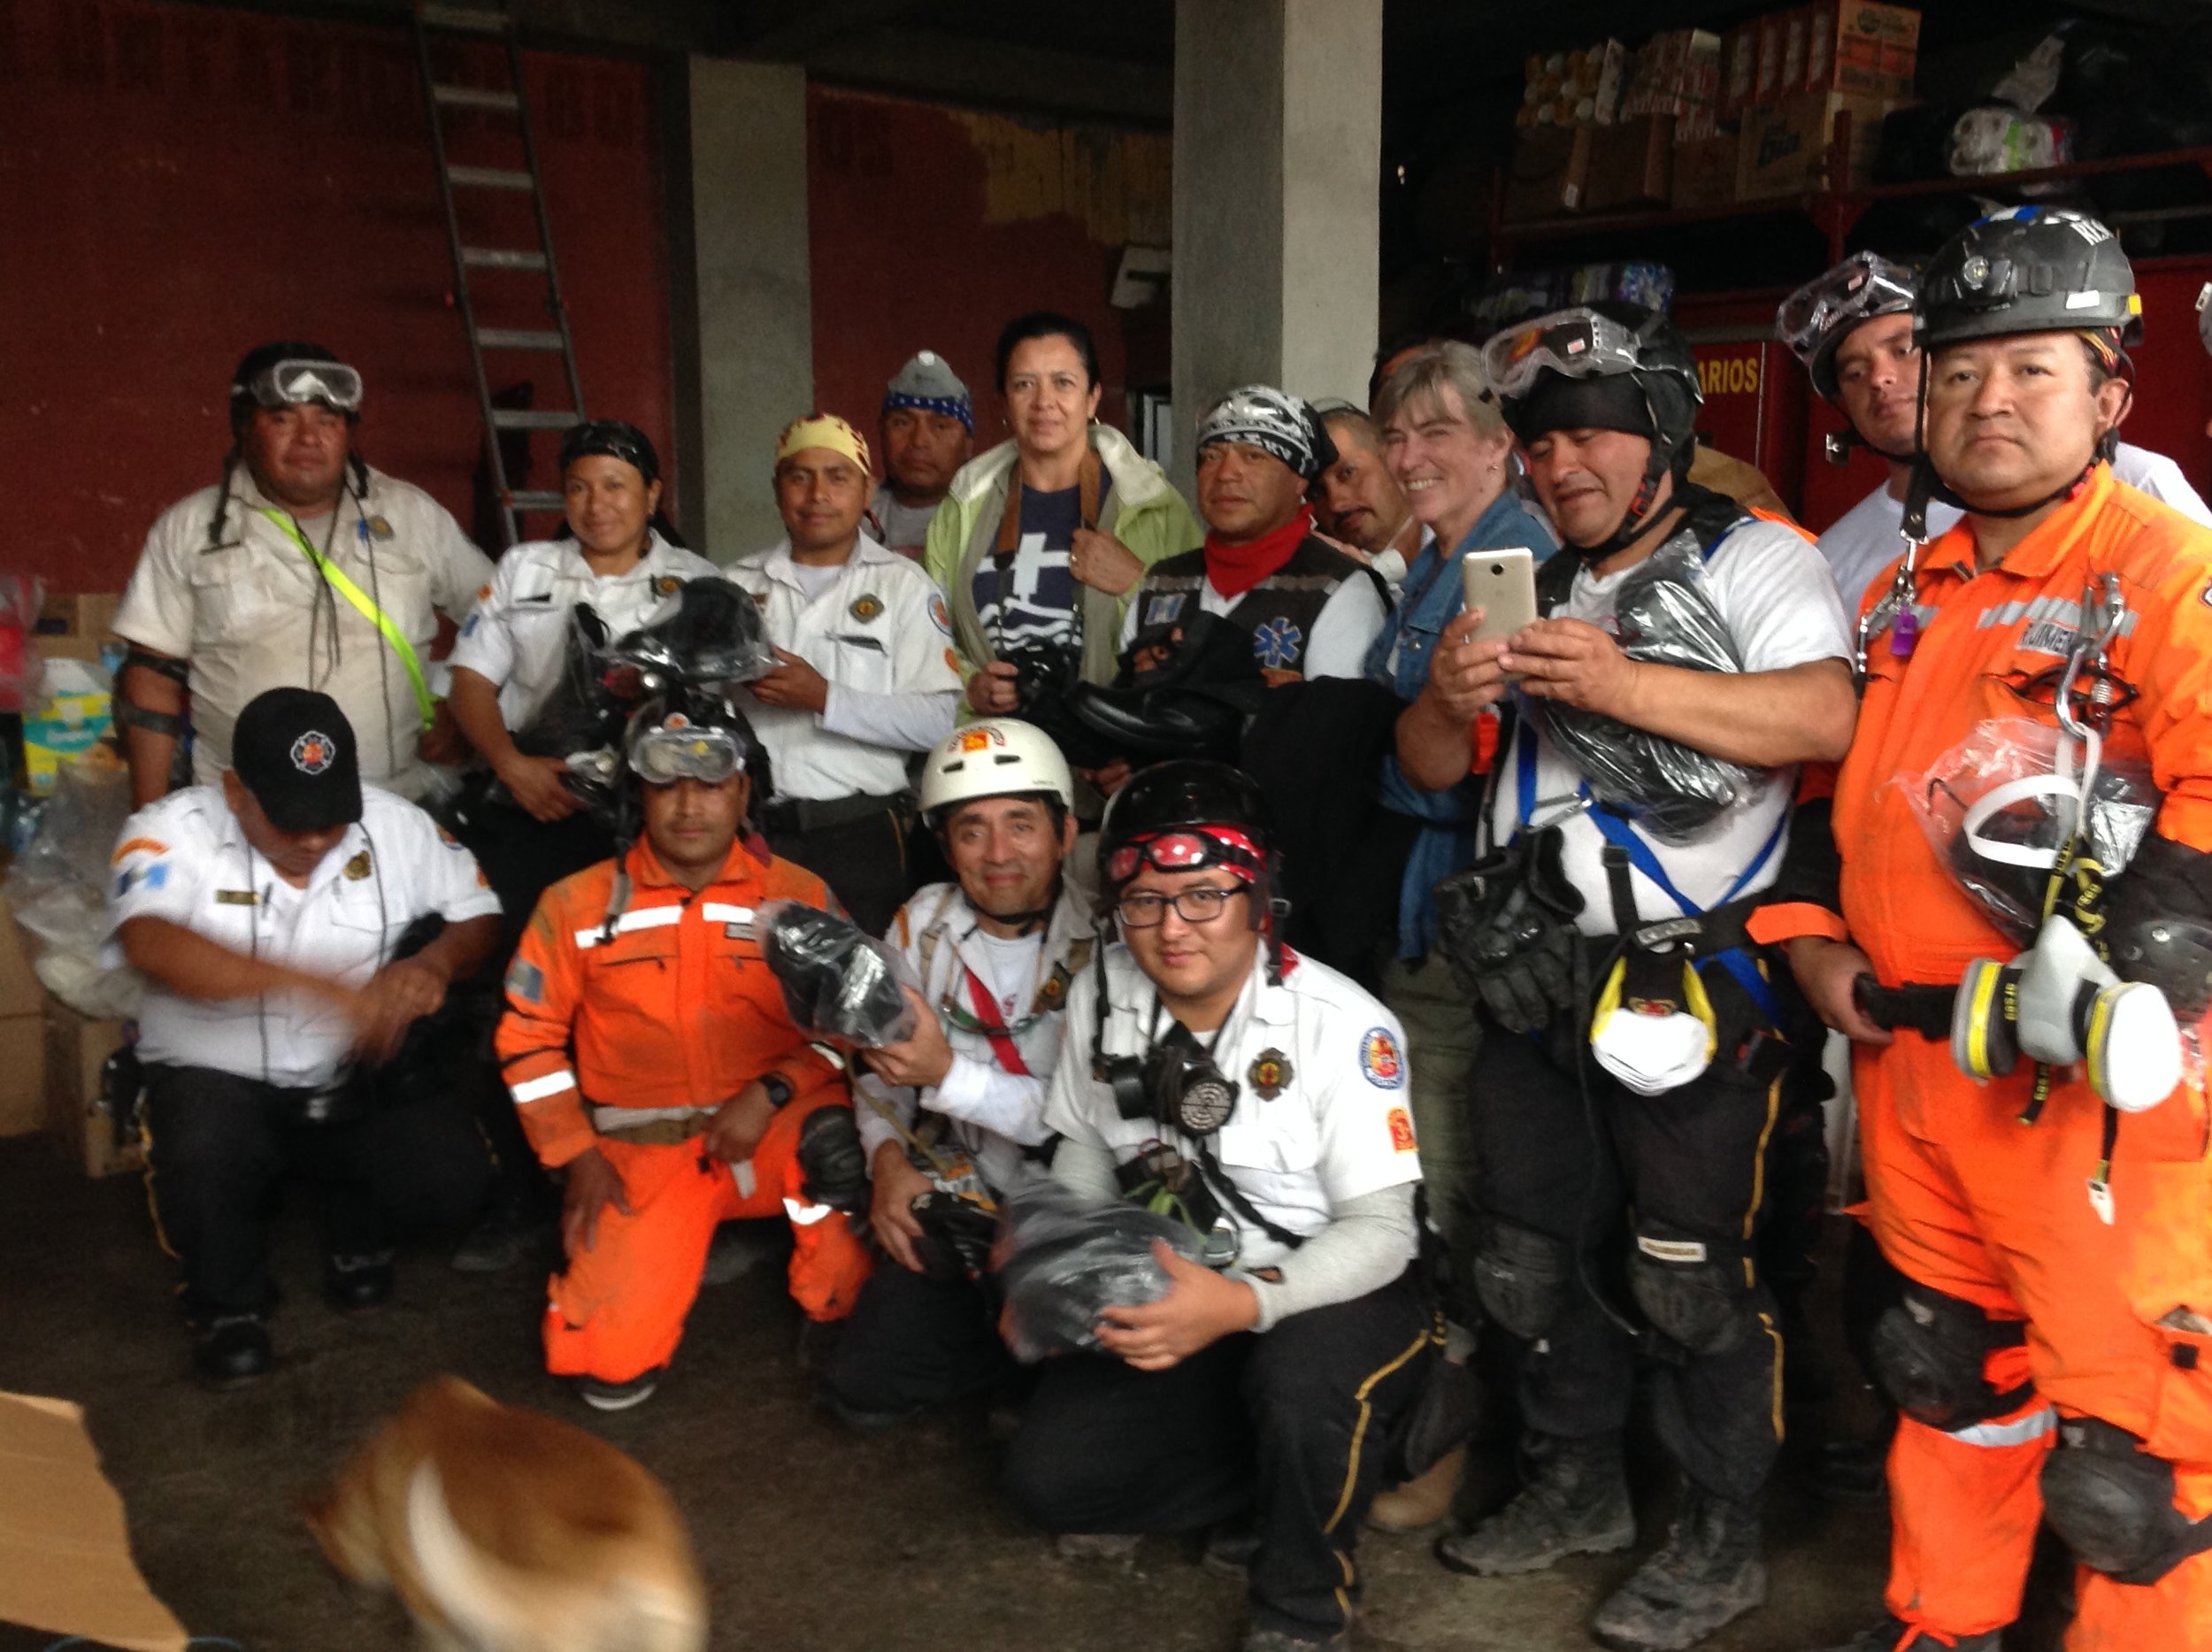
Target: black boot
1708,1575
358,1285
1576,1502
1890,1633
231,1351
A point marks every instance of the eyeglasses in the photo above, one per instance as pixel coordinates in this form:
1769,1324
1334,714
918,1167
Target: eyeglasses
1200,905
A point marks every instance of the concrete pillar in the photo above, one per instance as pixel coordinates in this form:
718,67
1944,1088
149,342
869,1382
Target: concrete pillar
1278,152
749,135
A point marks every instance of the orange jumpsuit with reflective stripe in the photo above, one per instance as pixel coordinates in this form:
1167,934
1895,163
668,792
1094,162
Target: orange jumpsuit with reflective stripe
1966,1199
677,1010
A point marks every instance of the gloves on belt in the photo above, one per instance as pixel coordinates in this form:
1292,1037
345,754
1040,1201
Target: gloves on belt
1506,926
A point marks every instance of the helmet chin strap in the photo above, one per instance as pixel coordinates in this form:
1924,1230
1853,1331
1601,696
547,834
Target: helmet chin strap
1926,485
1641,510
1028,922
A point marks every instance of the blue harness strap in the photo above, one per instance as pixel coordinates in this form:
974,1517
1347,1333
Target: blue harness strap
1618,832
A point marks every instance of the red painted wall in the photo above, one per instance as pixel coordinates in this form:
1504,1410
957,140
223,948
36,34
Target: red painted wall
179,183
904,259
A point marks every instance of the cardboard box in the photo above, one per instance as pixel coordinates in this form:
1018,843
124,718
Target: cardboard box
1704,173
19,991
1797,26
1767,84
1631,162
22,1074
1862,46
1738,69
1785,145
77,1048
1545,173
73,624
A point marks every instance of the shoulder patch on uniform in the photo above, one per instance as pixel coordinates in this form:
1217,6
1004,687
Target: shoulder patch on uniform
137,846
939,615
1401,1132
1270,1074
866,608
447,838
483,591
525,982
1379,1060
952,660
153,877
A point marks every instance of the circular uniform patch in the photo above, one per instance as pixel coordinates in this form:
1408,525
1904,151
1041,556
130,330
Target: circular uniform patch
312,752
667,584
864,608
1380,1060
939,615
357,868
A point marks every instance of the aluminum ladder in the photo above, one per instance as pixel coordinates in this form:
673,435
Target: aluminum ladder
502,263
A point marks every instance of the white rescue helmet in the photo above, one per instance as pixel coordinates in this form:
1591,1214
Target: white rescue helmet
994,757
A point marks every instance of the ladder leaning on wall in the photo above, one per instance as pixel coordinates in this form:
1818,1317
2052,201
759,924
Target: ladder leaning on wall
497,266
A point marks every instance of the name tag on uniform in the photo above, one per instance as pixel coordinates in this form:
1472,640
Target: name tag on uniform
862,642
236,897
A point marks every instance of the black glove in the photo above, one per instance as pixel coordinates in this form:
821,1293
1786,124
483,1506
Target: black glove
1506,927
833,1162
2159,924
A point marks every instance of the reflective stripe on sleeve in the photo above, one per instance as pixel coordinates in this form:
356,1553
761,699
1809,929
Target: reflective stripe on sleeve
723,912
537,1089
805,1215
646,917
2018,1431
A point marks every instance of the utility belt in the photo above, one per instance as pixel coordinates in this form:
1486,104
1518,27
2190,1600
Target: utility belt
1912,1006
652,1126
819,814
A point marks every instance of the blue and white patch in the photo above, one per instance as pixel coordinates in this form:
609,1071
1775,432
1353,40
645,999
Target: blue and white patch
1163,609
1277,644
468,625
153,877
1381,1060
526,982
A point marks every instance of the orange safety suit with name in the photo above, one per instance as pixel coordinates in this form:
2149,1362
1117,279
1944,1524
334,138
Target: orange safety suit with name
1965,1198
676,1010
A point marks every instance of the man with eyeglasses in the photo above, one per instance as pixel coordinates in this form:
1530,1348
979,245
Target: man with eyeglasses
650,1054
953,1118
1267,1092
303,567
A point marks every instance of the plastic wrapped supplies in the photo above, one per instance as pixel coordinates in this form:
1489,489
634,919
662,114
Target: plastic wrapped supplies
59,884
1064,1260
1998,807
1673,794
838,982
706,631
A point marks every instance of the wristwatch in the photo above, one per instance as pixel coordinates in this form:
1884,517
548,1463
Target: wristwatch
778,1089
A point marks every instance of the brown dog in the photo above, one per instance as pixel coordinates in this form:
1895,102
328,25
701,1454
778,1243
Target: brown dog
504,1531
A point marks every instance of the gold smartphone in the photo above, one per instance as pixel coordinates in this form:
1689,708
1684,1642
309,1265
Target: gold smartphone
1503,584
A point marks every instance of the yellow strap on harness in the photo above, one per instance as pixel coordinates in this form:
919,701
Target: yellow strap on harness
425,702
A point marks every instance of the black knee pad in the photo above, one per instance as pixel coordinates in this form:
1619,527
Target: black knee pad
833,1161
1694,1298
1928,1351
1521,1277
2114,1504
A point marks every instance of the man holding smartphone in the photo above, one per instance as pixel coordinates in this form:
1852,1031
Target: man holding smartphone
1691,656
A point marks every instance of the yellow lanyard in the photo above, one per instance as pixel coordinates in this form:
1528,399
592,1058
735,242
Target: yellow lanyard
425,702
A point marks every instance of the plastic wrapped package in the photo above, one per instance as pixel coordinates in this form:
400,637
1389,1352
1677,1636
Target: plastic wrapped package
58,888
1998,807
838,981
1663,615
1990,140
1064,1260
580,713
706,631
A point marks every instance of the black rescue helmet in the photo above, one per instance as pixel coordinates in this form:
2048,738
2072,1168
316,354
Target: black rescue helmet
2028,269
1187,793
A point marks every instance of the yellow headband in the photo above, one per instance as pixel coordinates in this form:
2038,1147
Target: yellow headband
823,430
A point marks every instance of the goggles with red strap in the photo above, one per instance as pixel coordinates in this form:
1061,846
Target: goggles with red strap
1188,849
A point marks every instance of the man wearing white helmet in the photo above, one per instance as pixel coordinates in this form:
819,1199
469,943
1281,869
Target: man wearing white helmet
953,1118
1852,327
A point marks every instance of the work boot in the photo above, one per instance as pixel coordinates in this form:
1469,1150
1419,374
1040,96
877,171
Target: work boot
1230,1548
231,1351
357,1284
1422,1501
1710,1573
731,1253
601,1395
1891,1632
508,1233
1576,1502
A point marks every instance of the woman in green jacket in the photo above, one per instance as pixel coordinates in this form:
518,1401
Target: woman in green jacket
1039,541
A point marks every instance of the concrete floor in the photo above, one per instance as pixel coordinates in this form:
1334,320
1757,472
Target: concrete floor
809,1538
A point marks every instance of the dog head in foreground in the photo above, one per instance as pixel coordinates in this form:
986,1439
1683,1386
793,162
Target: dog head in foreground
503,1529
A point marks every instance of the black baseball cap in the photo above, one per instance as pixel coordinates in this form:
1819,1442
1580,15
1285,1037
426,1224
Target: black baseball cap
295,751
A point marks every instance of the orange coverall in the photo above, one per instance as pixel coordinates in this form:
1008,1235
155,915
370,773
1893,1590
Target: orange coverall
1966,1199
678,1010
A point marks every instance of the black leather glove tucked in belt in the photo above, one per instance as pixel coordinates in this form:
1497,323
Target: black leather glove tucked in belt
1506,926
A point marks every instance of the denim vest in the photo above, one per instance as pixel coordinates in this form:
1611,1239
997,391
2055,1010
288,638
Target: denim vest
1429,601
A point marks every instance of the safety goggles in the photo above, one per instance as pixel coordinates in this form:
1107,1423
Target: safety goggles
282,383
1577,344
663,756
1861,286
1192,850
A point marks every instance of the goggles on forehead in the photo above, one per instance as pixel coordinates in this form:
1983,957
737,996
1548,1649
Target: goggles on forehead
1577,344
1861,287
663,756
282,383
1194,849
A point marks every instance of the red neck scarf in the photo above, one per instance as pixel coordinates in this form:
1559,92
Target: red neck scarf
1233,570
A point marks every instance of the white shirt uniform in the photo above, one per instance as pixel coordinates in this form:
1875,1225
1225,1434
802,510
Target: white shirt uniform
902,527
994,1113
1343,631
1321,1113
244,612
1778,601
186,860
516,639
880,633
1865,542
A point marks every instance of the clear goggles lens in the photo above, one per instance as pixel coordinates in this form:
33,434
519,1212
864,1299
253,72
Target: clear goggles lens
664,756
1579,343
329,383
1185,851
1861,286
